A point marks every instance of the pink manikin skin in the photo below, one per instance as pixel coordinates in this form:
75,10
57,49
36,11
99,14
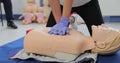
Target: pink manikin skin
40,42
27,18
30,11
40,17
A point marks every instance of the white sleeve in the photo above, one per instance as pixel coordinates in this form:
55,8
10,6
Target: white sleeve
77,3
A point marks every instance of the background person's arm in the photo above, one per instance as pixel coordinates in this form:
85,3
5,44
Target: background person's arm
61,28
55,6
67,5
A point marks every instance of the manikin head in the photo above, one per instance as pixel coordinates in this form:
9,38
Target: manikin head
30,1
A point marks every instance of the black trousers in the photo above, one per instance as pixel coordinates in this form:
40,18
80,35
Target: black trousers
8,9
90,12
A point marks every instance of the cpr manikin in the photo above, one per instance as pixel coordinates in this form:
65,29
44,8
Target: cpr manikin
32,12
68,47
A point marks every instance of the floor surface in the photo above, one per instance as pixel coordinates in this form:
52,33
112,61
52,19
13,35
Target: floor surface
7,34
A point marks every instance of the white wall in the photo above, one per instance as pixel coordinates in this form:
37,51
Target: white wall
108,7
18,6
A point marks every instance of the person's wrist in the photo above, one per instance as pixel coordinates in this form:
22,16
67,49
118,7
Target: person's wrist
65,21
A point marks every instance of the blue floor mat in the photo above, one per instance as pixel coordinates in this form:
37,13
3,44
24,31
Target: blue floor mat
11,48
114,58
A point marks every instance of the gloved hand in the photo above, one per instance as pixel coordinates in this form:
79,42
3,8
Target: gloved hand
61,28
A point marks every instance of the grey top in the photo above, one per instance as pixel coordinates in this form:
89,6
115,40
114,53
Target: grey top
77,3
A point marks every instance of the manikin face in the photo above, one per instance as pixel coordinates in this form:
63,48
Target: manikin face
31,1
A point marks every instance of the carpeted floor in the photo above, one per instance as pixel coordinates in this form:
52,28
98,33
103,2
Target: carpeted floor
11,48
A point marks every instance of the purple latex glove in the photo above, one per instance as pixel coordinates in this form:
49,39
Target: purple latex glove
60,28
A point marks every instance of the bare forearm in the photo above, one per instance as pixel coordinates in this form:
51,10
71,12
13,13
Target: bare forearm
55,6
67,8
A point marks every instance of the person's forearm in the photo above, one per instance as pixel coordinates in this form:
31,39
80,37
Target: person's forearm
55,6
67,8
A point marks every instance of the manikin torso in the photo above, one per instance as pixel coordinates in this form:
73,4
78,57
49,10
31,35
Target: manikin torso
40,42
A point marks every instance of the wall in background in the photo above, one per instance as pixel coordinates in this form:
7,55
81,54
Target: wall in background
110,8
18,6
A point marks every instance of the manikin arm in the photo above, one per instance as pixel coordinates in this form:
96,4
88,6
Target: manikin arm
21,17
